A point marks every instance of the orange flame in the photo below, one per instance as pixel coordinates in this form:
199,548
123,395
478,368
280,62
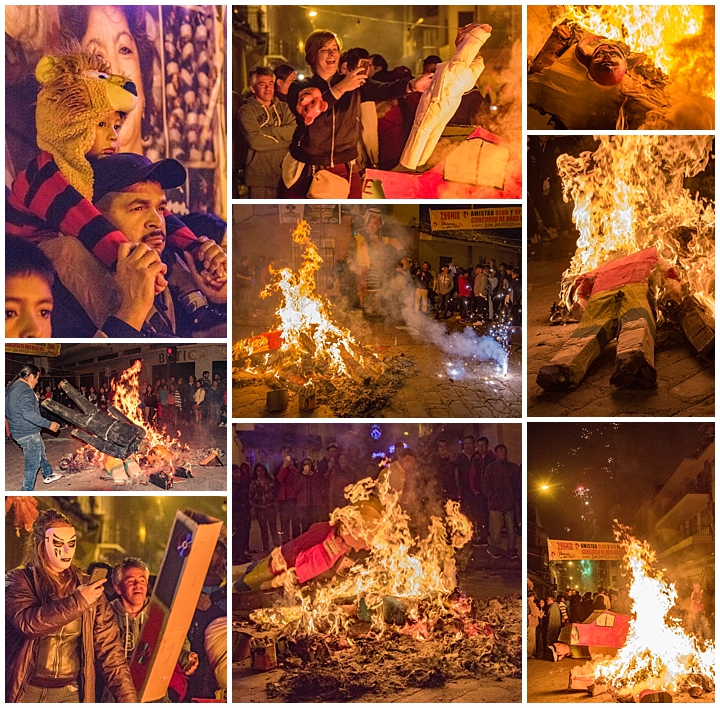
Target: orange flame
678,39
628,195
658,655
420,572
311,340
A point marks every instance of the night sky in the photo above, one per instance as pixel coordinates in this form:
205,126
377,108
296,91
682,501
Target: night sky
601,471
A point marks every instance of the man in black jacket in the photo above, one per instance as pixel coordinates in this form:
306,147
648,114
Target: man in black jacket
501,485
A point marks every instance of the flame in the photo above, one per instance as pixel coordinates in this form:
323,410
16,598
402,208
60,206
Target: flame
658,655
628,195
312,342
420,572
678,39
127,400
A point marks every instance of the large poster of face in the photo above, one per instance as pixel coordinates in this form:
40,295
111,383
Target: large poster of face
174,55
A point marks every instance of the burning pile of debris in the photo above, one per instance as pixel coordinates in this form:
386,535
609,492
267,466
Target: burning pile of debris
485,642
123,443
658,656
309,353
392,618
645,256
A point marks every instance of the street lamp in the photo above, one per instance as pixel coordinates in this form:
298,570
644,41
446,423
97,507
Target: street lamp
312,13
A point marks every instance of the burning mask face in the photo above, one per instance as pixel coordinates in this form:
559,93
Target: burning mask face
605,61
60,543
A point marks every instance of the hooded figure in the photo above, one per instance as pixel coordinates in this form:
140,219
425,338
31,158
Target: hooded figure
76,91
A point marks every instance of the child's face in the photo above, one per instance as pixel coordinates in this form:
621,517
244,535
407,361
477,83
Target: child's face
28,305
106,135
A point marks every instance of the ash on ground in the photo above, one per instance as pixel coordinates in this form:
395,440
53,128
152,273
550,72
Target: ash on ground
320,668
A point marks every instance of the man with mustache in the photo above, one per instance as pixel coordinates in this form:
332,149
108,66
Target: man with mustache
130,193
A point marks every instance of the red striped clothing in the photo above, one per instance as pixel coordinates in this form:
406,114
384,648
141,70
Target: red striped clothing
42,203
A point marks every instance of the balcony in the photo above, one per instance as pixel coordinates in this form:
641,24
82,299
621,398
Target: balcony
688,502
700,537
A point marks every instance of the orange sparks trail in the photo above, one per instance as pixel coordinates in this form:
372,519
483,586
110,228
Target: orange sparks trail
311,341
658,655
628,195
678,39
418,571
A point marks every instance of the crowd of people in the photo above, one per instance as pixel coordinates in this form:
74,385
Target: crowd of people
482,293
69,640
548,613
285,499
315,136
198,401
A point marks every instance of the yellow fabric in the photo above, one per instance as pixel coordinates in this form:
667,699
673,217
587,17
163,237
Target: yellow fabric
76,91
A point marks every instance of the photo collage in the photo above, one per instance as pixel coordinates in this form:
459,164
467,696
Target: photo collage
422,287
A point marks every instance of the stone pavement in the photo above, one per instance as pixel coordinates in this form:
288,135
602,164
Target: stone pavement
686,383
439,388
205,478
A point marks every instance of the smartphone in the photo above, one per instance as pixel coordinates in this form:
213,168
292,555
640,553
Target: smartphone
98,574
364,64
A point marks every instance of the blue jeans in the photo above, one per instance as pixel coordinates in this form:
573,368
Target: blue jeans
34,449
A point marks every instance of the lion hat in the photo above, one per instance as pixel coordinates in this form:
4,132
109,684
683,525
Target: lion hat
77,90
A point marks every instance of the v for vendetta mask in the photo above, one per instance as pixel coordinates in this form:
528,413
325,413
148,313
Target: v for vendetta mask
60,545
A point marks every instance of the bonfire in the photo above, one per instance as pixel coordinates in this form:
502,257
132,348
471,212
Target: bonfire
398,609
658,655
308,351
161,456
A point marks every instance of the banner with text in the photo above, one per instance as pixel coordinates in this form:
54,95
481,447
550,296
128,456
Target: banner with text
33,349
463,219
584,550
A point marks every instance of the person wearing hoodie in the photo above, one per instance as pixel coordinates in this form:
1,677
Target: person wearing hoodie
130,580
267,126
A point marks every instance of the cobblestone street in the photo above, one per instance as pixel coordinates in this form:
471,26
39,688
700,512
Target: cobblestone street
439,387
205,478
685,383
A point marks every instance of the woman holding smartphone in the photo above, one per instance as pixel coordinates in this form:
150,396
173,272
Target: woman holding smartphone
327,108
58,627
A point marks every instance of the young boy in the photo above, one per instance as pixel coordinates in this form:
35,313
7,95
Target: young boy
28,290
79,110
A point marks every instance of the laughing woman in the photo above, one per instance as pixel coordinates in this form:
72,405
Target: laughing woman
58,628
327,108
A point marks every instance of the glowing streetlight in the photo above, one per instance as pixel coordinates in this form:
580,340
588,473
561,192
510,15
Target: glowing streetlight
545,487
312,13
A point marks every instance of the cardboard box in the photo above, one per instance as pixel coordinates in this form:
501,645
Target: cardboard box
602,632
177,589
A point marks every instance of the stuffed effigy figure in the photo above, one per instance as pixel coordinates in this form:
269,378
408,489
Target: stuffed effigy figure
617,303
441,99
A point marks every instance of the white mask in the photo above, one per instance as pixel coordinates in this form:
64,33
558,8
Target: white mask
60,545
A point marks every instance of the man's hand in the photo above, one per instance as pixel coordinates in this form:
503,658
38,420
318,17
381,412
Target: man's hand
54,426
214,289
92,593
139,270
191,664
213,258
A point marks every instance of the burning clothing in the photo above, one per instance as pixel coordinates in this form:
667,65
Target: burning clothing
310,554
619,306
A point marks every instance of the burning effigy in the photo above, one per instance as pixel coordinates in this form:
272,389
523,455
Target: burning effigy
309,353
645,256
368,606
631,67
122,443
658,655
